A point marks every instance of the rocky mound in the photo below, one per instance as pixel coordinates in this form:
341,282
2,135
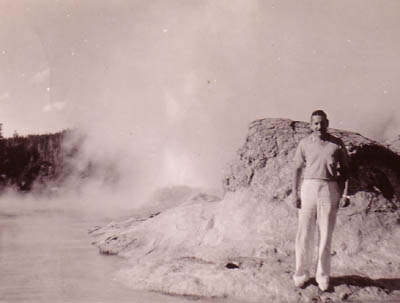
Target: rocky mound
242,246
394,144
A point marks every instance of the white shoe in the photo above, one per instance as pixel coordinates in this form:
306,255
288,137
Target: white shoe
323,286
299,284
299,281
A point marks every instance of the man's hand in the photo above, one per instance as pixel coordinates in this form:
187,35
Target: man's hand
344,201
296,201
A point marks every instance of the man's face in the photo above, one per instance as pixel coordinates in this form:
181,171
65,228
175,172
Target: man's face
319,125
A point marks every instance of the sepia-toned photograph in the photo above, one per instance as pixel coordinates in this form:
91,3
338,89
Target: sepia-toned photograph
210,151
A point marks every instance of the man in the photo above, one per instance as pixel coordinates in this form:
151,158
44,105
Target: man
324,161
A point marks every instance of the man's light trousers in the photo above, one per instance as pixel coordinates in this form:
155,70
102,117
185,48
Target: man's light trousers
319,204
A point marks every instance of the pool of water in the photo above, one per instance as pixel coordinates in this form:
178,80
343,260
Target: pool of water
46,256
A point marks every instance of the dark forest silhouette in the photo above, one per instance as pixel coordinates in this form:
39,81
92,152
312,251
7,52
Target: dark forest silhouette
35,160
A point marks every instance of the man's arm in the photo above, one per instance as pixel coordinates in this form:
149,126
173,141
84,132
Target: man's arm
344,176
296,181
299,161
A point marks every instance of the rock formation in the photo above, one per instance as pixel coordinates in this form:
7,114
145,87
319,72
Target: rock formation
242,246
394,144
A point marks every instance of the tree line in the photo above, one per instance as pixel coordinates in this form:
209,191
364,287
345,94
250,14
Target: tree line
35,160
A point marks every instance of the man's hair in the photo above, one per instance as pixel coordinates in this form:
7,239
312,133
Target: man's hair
319,113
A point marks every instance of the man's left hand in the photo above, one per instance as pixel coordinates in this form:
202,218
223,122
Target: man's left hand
344,201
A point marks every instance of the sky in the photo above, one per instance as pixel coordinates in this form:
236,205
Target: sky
170,87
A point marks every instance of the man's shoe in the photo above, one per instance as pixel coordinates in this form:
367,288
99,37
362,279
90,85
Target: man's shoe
323,286
299,284
301,281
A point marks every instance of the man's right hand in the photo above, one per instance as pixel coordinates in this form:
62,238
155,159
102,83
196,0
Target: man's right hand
296,201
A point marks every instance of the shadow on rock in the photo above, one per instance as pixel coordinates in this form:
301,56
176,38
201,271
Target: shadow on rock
354,280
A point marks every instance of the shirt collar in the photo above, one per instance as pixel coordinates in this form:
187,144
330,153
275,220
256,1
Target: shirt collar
314,139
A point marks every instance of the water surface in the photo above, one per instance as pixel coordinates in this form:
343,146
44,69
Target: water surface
46,256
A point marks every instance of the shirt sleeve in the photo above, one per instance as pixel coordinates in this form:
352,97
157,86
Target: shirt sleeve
299,158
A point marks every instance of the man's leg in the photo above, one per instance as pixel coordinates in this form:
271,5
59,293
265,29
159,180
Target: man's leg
326,216
305,233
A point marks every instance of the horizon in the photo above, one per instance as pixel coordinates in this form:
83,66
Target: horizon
77,129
